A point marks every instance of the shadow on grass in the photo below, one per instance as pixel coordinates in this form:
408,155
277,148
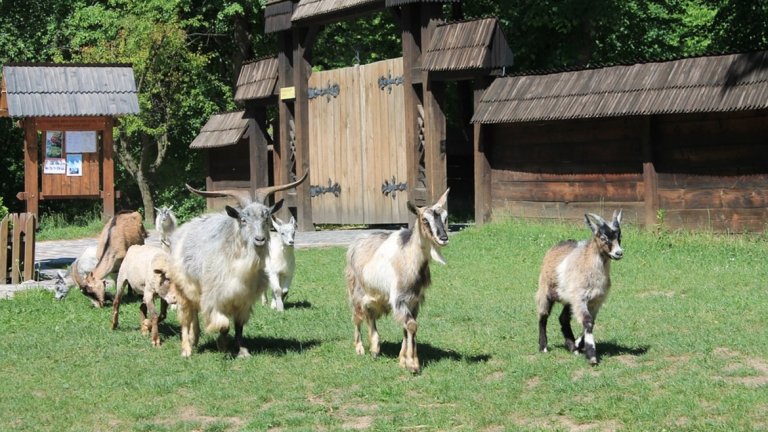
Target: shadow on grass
429,354
613,349
303,304
258,346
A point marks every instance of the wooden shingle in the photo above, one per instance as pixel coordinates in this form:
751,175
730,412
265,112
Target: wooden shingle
52,90
222,130
257,79
468,45
277,15
307,9
733,82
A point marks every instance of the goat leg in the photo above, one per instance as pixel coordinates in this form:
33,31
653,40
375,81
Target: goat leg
373,337
565,326
242,351
356,320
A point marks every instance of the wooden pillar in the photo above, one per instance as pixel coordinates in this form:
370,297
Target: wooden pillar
108,170
650,178
257,147
31,168
281,153
411,40
302,39
434,117
482,166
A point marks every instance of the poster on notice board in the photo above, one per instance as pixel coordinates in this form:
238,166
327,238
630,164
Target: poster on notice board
74,165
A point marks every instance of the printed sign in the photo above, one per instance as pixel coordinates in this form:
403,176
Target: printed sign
81,141
74,165
54,144
55,166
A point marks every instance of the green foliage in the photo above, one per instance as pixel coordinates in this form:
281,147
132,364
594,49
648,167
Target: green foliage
3,209
681,339
360,41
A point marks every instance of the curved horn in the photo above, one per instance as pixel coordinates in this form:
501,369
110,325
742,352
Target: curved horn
242,196
261,194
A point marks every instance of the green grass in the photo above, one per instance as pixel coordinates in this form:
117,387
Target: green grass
682,341
56,227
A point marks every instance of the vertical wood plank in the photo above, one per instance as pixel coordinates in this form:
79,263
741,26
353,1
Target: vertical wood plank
281,154
435,128
4,225
16,250
482,166
650,178
301,72
108,170
257,145
411,41
29,225
31,166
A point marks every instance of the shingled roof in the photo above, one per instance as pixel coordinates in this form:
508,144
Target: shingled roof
50,90
313,8
467,45
277,15
391,3
733,82
221,130
257,79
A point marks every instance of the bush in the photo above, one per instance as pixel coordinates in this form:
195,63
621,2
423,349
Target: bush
3,209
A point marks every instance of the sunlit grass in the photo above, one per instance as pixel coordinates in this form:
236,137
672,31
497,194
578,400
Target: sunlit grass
681,339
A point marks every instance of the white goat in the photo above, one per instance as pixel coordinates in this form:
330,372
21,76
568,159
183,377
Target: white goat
145,269
577,274
216,261
389,272
77,273
280,264
165,224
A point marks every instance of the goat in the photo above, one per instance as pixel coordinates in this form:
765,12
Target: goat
577,274
216,262
76,274
124,230
145,269
165,224
389,272
281,262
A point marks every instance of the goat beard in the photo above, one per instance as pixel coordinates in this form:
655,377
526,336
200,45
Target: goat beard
437,256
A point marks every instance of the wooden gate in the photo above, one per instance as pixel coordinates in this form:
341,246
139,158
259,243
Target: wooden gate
358,169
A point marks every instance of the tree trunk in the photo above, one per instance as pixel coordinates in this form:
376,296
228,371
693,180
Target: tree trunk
146,198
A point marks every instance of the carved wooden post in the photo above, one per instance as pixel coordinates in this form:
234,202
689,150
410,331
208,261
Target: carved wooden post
108,170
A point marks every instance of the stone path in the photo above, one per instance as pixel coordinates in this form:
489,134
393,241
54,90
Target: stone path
51,256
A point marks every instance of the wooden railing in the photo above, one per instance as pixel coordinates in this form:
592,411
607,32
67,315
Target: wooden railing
17,248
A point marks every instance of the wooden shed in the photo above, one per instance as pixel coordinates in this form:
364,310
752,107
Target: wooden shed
68,112
682,142
237,144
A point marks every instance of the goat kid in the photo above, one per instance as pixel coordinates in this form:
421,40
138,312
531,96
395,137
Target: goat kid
165,224
577,274
390,273
216,263
280,265
145,269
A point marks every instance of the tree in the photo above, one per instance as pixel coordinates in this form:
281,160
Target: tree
172,82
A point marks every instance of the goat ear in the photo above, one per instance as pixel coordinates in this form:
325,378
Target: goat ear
60,274
170,208
412,208
276,223
443,198
593,222
617,218
232,212
275,208
292,221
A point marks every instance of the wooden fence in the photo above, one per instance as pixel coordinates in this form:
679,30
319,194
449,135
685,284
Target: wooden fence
17,248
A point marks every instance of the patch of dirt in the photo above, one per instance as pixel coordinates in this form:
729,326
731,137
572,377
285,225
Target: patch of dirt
562,422
738,362
667,294
496,376
584,373
190,414
532,383
351,420
627,360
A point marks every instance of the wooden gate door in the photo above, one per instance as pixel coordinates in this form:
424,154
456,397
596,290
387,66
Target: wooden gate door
358,167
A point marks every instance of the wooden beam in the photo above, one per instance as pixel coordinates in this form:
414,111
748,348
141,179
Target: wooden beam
72,123
257,147
108,171
482,165
411,38
31,167
650,178
281,155
301,70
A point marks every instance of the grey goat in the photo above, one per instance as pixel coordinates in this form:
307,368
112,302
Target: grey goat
165,224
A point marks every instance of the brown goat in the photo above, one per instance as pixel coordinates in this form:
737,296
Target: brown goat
122,231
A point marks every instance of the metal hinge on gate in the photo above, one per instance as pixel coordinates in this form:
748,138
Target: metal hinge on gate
393,188
327,91
333,188
387,82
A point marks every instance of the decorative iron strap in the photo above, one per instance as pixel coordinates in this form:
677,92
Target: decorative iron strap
333,188
392,188
387,82
327,91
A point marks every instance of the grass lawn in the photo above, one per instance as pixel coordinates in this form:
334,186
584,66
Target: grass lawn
682,342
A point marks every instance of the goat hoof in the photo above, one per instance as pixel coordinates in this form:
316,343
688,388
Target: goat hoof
243,353
359,350
593,361
155,342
